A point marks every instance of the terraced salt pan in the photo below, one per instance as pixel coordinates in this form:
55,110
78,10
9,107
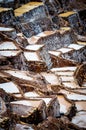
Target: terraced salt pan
23,108
73,96
33,40
67,78
81,43
71,85
81,105
8,45
9,87
80,90
33,103
46,100
65,28
34,47
31,94
27,7
22,10
4,29
64,104
20,34
19,74
55,53
67,14
70,73
18,14
31,56
45,33
33,4
42,34
63,69
65,50
80,119
17,95
75,46
4,9
9,53
51,78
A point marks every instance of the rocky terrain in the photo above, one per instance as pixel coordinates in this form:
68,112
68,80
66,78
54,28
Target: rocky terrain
42,65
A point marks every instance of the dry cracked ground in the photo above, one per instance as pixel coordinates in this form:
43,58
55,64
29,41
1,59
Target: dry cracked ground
43,65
